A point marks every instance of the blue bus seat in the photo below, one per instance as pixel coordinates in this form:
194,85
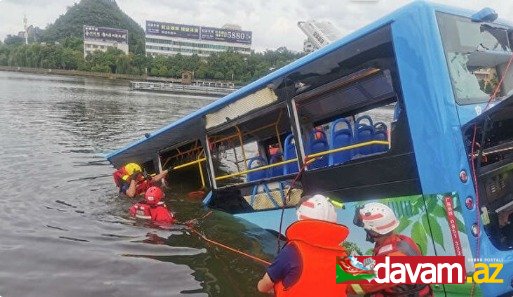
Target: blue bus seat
290,153
278,170
363,133
318,143
253,163
381,134
339,138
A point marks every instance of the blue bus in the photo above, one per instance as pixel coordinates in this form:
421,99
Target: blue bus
413,111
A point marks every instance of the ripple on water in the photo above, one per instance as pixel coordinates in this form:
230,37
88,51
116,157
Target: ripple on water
65,232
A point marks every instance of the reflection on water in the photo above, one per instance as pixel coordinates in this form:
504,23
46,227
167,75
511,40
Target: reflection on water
65,231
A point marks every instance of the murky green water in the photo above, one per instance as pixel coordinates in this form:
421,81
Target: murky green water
65,231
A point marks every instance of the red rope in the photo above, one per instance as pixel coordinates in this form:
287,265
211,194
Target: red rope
208,213
191,224
287,199
230,248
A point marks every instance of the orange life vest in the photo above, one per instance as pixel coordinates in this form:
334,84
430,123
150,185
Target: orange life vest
318,243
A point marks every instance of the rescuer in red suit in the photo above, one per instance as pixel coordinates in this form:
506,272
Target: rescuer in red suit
152,208
379,222
133,181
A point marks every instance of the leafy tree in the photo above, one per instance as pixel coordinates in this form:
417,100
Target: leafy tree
73,42
68,54
100,13
14,40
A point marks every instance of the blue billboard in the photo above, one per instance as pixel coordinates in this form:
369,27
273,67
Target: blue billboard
198,32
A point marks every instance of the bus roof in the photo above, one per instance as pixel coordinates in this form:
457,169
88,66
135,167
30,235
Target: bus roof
144,149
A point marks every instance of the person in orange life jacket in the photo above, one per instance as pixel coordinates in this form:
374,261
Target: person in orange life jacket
132,181
379,222
314,242
151,208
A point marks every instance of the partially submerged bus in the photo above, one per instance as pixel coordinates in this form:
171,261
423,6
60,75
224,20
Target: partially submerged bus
397,112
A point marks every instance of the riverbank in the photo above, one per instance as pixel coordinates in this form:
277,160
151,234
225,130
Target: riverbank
78,73
199,88
96,74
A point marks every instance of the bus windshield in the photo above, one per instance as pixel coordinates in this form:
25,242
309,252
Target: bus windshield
477,54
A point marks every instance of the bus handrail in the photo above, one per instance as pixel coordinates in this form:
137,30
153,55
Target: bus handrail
256,169
312,156
349,147
189,163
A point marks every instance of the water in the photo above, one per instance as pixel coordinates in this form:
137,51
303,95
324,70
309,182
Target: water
65,231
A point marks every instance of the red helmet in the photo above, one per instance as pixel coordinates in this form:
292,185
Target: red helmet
153,195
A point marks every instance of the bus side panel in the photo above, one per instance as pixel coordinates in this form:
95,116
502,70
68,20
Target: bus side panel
434,123
435,126
444,219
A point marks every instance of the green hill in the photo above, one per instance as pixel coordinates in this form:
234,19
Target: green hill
100,13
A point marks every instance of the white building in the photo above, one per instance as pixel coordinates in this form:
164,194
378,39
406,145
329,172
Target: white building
308,46
318,33
101,38
171,39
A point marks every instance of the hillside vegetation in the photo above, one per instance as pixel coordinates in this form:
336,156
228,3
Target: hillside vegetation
99,13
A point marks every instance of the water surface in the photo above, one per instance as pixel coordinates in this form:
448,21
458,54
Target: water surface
65,231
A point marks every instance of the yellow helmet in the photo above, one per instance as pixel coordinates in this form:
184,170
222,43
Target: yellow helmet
130,168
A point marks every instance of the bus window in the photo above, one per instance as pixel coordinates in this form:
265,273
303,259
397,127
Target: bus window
248,158
187,166
354,97
476,54
238,150
332,133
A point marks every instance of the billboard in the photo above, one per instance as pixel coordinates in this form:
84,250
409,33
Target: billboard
198,32
227,35
106,34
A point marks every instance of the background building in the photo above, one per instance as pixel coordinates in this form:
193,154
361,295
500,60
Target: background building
318,33
171,39
101,38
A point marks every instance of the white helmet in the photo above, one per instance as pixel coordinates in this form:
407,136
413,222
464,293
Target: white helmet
377,217
317,207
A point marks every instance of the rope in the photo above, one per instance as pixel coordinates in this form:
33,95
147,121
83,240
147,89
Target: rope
287,198
191,223
202,236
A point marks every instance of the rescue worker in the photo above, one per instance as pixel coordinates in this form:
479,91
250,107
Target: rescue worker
152,208
379,222
133,181
314,242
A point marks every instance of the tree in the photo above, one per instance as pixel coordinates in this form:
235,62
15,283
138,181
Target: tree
100,13
14,40
73,42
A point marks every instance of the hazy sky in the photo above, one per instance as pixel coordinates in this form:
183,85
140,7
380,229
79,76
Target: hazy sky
273,22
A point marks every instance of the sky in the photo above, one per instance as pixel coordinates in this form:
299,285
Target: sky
273,22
